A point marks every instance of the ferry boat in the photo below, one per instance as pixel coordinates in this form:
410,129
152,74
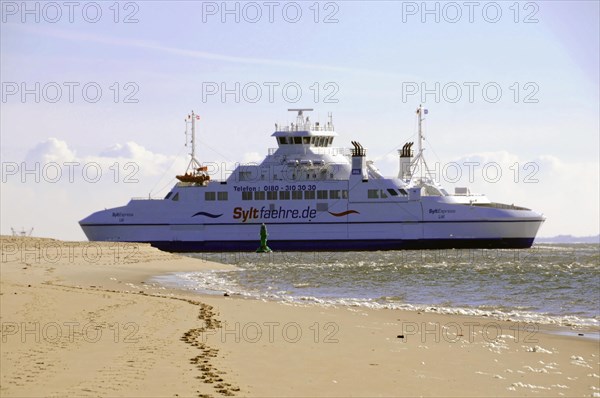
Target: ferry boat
314,196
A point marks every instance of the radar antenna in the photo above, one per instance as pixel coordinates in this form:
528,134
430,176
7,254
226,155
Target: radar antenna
300,118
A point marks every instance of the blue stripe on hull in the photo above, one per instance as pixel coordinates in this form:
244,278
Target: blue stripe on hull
344,245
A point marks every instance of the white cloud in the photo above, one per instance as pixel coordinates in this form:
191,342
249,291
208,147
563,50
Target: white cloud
147,163
51,150
567,193
55,187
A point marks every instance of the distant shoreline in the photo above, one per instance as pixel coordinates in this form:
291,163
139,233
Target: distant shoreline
568,239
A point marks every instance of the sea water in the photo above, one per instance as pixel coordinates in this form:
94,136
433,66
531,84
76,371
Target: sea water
548,283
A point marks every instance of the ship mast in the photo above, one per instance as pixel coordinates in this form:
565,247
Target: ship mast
419,160
195,173
194,165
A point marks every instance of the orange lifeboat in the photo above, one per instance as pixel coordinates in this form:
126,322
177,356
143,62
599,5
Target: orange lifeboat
195,178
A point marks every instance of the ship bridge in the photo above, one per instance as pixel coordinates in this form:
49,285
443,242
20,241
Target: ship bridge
304,134
304,151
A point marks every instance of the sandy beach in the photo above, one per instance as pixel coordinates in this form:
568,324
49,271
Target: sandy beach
85,319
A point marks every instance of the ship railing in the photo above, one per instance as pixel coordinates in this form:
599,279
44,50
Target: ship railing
467,194
331,151
306,127
322,151
146,198
500,206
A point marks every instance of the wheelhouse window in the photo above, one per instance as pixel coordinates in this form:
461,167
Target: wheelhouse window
297,140
282,140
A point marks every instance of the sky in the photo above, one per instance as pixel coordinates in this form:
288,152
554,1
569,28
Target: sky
94,96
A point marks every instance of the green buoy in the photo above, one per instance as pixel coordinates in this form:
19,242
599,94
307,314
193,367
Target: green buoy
263,240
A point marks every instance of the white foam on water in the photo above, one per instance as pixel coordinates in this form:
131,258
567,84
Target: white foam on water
215,282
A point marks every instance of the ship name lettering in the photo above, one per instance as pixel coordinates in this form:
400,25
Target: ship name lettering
265,213
441,211
120,214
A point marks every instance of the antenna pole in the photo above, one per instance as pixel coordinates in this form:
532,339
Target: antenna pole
195,173
194,164
420,113
419,160
193,135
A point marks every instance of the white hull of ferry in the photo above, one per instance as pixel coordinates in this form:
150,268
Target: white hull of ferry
365,227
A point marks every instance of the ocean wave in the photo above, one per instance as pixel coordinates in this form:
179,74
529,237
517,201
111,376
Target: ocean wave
217,282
